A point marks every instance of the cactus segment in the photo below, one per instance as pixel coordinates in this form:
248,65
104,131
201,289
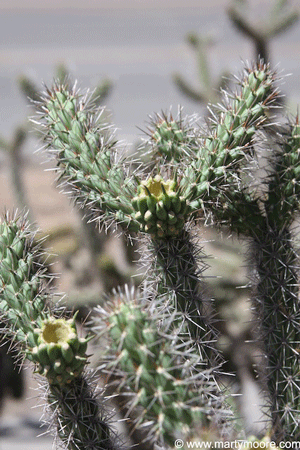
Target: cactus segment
157,369
276,268
88,156
160,209
216,169
22,279
51,343
277,307
60,353
177,276
173,139
284,180
79,416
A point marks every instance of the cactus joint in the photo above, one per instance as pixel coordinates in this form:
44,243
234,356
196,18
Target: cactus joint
160,210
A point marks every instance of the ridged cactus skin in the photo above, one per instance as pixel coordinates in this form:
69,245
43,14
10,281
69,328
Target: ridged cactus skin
228,145
79,417
177,277
164,355
172,138
87,155
24,302
47,338
160,372
161,210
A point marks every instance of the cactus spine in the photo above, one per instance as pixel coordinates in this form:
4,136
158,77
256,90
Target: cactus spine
277,300
265,219
48,339
159,369
87,155
164,353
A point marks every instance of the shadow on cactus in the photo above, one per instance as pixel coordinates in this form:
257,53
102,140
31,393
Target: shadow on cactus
161,356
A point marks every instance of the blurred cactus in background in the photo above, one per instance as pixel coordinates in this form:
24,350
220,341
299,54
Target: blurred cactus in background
158,346
209,89
280,19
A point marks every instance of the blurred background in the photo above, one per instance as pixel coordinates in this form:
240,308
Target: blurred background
142,56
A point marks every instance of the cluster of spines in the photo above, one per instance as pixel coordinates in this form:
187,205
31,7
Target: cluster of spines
51,343
23,300
276,305
284,177
215,171
161,210
79,416
172,139
87,154
159,369
177,276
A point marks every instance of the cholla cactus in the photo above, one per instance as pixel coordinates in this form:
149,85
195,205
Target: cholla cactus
47,338
158,369
162,350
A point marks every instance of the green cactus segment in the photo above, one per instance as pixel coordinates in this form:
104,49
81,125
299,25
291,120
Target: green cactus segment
277,300
177,274
60,353
86,152
277,306
284,185
216,169
172,139
51,343
159,375
161,211
79,417
22,299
